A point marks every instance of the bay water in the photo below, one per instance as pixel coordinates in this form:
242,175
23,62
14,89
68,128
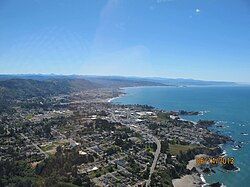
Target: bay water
229,106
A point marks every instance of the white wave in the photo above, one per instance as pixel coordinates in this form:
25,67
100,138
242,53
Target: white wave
203,180
203,112
237,170
111,99
245,134
224,153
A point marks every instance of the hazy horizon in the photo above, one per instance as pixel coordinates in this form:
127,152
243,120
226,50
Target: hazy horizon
122,76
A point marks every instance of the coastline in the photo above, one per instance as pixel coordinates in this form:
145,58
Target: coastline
196,178
120,94
193,180
111,99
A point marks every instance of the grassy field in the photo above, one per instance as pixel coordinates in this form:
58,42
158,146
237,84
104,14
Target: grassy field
176,148
51,148
101,171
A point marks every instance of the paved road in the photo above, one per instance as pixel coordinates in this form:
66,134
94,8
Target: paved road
156,155
36,146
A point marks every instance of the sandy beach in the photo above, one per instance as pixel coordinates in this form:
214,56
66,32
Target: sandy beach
193,180
111,99
192,163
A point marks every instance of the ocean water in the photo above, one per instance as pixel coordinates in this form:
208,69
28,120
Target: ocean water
229,106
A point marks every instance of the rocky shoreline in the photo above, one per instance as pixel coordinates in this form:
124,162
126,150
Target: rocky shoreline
202,170
195,174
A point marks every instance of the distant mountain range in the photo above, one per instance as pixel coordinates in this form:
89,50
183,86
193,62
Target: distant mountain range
189,82
14,87
26,86
158,80
119,81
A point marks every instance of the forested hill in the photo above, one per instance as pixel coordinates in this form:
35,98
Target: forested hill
32,85
20,88
12,90
26,88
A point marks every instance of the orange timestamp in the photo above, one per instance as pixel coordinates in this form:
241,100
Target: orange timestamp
214,160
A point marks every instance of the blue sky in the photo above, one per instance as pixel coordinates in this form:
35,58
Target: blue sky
200,39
